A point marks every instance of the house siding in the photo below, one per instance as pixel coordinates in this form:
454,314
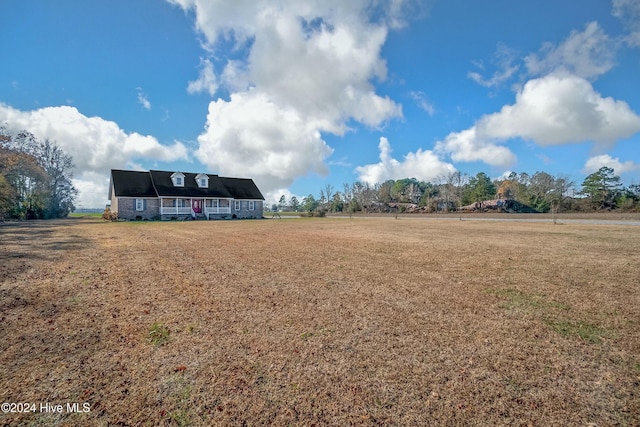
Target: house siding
127,209
244,211
114,200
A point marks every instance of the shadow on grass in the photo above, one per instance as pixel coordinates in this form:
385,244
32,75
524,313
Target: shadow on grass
25,241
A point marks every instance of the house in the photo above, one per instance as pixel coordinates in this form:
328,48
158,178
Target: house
168,195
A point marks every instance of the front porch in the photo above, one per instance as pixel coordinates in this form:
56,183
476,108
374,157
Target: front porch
196,208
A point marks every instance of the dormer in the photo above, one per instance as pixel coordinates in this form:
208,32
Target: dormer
178,179
202,179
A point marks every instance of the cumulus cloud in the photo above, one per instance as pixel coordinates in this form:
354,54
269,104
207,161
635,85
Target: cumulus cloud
207,80
235,76
252,136
298,69
93,189
559,105
96,145
237,20
596,162
561,109
323,72
468,146
423,165
588,54
557,109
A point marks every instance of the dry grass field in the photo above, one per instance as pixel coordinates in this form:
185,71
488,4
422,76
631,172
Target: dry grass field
320,321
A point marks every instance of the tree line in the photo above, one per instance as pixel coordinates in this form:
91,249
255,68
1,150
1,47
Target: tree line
540,192
35,177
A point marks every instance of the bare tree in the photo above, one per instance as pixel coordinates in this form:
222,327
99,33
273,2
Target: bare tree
347,193
452,189
328,192
561,190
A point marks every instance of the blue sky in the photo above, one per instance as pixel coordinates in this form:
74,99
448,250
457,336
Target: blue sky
301,94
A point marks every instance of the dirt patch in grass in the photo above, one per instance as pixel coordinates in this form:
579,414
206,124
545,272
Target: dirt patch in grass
321,322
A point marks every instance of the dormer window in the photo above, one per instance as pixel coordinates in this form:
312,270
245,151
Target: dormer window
178,179
203,180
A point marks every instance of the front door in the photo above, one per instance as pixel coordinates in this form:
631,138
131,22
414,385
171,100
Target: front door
196,205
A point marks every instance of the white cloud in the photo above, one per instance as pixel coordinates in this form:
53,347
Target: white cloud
397,12
561,109
342,162
143,100
628,11
96,145
252,136
323,72
423,102
557,109
235,76
298,69
272,197
588,54
206,82
503,59
596,162
237,20
93,190
467,146
504,175
423,165
633,38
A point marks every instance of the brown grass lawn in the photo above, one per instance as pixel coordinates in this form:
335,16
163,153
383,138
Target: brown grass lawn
321,321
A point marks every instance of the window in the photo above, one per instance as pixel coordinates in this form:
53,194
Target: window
178,179
202,179
236,205
251,205
139,204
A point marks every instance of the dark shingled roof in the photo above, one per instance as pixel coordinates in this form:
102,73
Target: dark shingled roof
158,183
242,188
132,184
164,186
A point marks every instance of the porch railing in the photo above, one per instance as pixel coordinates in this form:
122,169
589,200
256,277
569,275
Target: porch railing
188,210
168,210
208,210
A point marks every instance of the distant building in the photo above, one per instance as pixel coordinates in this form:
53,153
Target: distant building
166,195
